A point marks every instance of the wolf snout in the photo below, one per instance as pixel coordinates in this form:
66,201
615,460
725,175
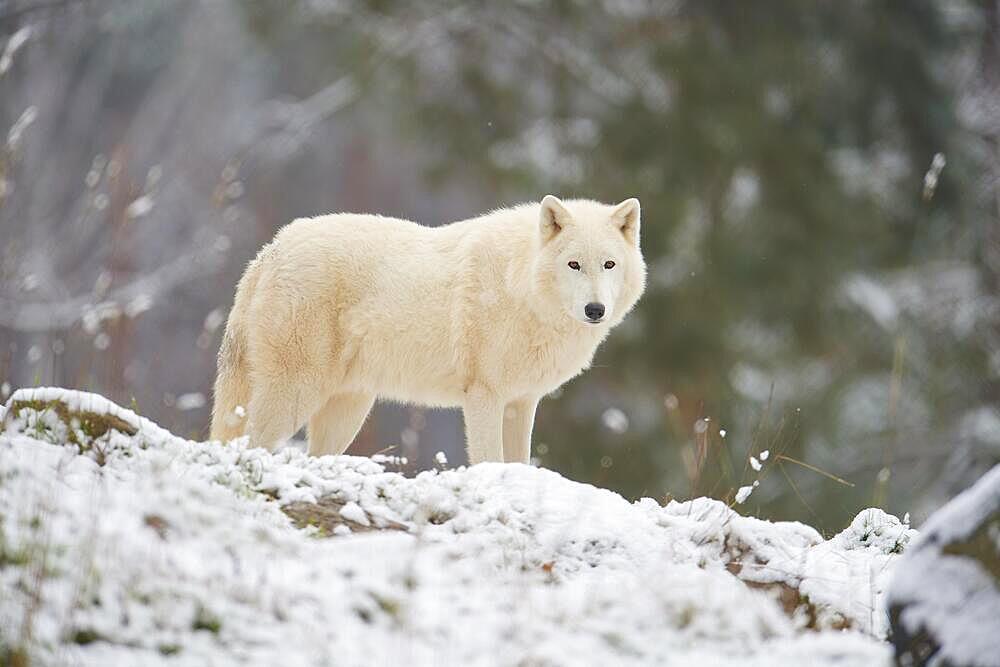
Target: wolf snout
594,311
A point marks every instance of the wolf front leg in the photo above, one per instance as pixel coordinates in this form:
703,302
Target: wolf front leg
518,420
483,412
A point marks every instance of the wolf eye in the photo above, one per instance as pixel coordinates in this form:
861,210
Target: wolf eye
609,264
575,266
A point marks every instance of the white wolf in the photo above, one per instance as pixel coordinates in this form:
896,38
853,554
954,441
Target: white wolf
488,314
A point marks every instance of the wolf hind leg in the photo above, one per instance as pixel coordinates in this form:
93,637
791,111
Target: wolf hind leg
334,426
276,412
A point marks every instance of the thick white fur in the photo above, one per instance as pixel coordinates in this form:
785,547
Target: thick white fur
485,314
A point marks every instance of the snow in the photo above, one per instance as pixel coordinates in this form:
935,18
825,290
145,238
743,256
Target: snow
862,552
138,305
950,596
615,420
14,44
214,319
932,175
139,207
874,529
191,401
178,552
93,315
102,341
353,512
874,298
16,132
962,515
743,493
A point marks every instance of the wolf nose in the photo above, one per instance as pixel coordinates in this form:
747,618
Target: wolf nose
594,311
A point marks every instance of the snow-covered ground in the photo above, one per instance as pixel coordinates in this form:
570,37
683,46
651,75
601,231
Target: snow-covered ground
179,552
945,597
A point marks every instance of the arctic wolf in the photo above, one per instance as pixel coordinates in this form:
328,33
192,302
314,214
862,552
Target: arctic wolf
488,314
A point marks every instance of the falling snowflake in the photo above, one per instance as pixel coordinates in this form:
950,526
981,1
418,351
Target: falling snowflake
139,207
214,319
409,437
615,420
191,401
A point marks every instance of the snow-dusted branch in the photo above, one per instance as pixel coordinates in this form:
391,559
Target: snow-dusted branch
277,133
15,15
14,44
129,300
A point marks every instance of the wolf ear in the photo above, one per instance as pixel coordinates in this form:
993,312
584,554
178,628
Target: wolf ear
626,217
553,217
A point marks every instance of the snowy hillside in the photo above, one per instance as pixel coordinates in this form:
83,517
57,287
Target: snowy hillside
127,545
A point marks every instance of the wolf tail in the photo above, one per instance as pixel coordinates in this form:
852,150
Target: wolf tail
232,381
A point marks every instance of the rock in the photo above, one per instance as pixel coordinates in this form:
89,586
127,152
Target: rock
944,598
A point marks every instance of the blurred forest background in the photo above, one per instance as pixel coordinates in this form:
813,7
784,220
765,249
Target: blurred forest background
821,213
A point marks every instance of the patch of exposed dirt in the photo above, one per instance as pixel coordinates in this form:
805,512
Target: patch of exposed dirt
325,515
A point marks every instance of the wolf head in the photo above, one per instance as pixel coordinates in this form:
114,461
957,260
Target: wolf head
589,261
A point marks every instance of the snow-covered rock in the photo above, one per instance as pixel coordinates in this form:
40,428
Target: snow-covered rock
945,594
128,545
